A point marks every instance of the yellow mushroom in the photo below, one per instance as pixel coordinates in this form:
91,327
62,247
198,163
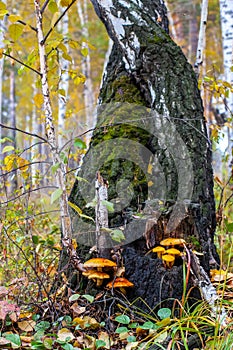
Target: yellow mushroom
159,250
169,260
171,242
173,251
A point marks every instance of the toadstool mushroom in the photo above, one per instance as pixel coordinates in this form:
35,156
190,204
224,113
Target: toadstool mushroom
98,276
173,251
159,250
171,242
99,263
169,260
121,283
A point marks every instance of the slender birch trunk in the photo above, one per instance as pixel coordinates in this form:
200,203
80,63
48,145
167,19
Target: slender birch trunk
64,82
52,141
86,68
12,117
201,38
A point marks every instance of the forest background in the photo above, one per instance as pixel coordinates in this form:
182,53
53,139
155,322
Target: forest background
78,46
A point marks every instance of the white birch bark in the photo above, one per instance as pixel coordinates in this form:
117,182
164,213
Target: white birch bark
86,69
52,141
64,82
101,212
201,38
226,15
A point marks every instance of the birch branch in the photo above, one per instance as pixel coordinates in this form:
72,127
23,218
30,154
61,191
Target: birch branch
51,137
201,38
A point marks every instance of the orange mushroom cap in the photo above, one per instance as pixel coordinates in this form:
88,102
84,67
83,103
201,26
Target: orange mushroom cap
173,251
120,282
159,250
99,262
168,259
172,241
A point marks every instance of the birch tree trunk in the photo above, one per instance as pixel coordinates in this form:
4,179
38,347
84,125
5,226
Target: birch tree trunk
150,143
52,141
86,68
64,82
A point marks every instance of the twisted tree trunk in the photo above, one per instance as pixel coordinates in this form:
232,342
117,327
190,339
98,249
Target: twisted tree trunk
151,145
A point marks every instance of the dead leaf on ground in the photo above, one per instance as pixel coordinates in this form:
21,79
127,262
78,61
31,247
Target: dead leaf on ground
27,325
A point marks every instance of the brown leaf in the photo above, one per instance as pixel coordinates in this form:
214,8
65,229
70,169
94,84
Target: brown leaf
9,309
27,326
78,310
3,291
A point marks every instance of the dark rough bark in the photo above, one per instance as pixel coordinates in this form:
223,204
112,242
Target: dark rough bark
150,104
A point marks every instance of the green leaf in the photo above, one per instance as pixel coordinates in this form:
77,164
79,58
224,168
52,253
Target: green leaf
35,239
84,51
164,313
8,149
74,297
55,195
13,338
229,226
148,325
108,205
80,144
120,330
99,343
52,6
15,31
90,298
117,235
68,347
124,319
131,339
42,326
55,167
5,139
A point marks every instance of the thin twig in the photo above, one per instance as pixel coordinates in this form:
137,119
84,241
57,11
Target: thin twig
24,23
23,131
23,64
26,192
57,21
24,166
44,6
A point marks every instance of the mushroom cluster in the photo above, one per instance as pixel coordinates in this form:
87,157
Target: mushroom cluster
169,255
94,269
99,269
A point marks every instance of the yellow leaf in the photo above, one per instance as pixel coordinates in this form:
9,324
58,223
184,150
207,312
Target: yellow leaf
9,162
3,10
65,3
150,183
55,18
22,164
27,325
14,18
65,335
15,30
1,53
38,99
